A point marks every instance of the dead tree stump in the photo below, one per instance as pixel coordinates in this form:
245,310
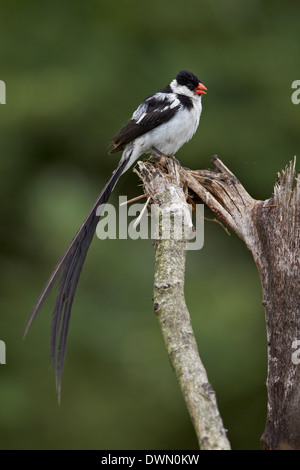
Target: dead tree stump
271,231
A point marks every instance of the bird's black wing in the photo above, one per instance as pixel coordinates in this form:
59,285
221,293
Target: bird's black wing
154,111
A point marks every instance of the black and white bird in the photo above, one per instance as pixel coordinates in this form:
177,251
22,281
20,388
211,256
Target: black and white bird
164,121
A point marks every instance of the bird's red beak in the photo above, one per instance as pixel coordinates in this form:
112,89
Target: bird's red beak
200,90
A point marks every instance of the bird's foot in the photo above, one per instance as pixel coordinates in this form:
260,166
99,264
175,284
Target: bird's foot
158,154
175,160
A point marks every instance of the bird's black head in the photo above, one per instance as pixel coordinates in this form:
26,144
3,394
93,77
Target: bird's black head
191,81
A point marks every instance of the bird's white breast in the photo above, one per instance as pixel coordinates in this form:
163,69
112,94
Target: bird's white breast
170,136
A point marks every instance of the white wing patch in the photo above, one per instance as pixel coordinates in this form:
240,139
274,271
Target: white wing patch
175,103
170,100
140,111
141,118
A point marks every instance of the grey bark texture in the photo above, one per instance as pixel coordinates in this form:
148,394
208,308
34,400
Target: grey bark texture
271,231
170,307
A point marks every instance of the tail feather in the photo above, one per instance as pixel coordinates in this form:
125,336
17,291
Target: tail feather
67,272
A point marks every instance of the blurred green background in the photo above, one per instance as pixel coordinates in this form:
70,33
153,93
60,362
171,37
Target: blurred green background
74,73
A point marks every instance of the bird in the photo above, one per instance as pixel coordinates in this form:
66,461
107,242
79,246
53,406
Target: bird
163,122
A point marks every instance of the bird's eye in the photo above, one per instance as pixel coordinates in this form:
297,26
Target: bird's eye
190,86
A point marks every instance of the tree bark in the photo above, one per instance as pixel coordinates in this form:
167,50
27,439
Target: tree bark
271,231
170,306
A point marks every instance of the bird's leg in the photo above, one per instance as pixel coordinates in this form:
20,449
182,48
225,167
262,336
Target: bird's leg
157,154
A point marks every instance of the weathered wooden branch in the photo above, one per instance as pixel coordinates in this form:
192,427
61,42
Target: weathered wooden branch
170,306
271,231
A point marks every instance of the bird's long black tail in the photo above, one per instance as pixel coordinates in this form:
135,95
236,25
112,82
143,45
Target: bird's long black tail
67,272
